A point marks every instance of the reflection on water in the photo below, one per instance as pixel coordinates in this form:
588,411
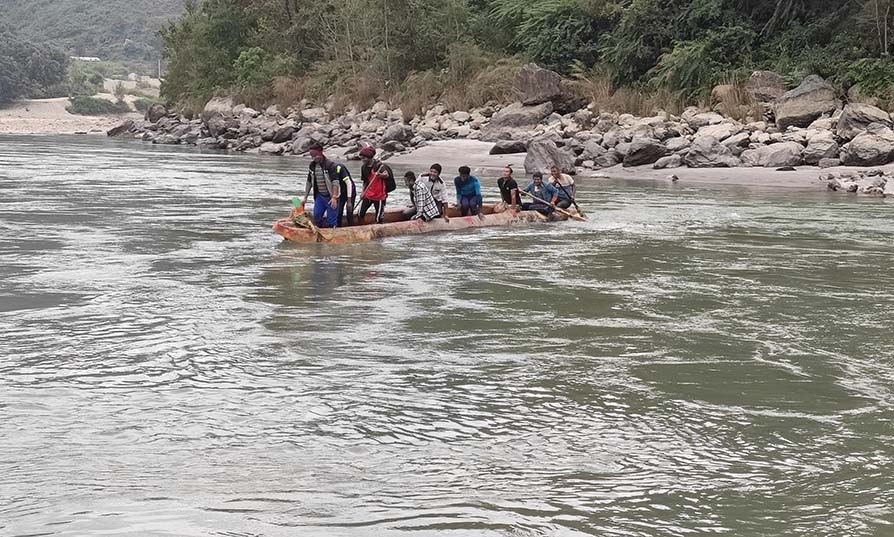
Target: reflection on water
688,362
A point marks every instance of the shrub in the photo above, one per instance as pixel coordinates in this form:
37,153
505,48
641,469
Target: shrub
143,104
90,106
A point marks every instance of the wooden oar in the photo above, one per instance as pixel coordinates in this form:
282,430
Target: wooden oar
559,210
573,202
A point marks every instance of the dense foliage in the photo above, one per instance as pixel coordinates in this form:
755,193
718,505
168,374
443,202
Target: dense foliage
361,49
92,106
28,70
113,30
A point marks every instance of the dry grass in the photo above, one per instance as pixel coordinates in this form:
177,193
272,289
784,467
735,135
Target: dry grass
733,99
596,86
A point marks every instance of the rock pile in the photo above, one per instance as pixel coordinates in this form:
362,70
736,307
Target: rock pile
812,127
872,182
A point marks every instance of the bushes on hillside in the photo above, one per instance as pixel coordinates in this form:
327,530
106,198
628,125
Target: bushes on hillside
91,106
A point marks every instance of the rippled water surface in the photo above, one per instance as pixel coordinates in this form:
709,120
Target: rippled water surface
692,361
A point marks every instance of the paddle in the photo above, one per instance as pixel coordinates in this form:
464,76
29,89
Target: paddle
562,211
573,202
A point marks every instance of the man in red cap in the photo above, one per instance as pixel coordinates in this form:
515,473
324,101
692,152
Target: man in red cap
333,189
378,181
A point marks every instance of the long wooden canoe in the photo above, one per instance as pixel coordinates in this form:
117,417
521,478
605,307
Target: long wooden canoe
396,224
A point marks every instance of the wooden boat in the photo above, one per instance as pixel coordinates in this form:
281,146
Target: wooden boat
396,223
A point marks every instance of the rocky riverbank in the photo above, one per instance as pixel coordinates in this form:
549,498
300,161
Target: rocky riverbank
806,126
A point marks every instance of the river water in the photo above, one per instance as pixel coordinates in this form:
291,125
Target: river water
692,361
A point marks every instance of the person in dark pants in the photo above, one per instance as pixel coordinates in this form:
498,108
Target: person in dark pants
437,187
323,179
544,191
468,192
378,181
564,184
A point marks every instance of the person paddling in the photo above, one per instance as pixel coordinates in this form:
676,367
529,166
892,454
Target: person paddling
544,191
378,181
564,184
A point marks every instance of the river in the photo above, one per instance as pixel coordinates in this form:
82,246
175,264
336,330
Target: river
692,361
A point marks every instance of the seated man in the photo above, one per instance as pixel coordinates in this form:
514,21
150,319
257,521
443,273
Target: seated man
564,184
437,188
509,189
468,192
544,192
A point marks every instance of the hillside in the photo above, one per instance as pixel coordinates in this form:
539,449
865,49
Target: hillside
120,30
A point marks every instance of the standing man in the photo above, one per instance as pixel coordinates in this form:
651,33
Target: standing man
544,191
509,189
323,178
437,187
378,181
564,185
468,192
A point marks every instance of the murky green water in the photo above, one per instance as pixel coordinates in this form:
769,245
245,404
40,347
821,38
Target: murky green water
693,361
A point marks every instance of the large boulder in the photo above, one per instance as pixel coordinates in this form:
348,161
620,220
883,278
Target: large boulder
820,146
536,85
802,105
397,132
510,121
644,151
156,112
707,152
124,127
856,117
283,134
874,147
774,156
721,131
508,147
766,86
543,154
608,159
216,113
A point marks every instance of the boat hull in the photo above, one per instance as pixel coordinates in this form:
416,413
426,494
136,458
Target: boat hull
364,233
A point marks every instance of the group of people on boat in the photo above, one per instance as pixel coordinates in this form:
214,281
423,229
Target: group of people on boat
335,193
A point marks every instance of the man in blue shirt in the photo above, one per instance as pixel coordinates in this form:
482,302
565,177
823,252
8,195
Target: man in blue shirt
468,192
543,191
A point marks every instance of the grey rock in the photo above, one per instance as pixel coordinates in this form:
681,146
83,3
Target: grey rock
542,154
508,147
608,159
677,144
856,117
874,147
766,86
707,152
820,147
124,127
397,132
156,112
644,151
513,118
774,156
272,148
283,134
829,163
461,117
166,139
672,161
804,104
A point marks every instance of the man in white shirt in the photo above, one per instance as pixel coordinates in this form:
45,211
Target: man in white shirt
564,183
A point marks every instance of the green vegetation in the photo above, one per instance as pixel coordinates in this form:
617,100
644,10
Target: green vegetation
113,30
416,52
144,103
28,70
91,106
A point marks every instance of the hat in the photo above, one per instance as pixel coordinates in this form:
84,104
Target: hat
436,167
368,152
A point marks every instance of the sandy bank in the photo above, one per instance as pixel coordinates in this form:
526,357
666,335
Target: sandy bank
49,116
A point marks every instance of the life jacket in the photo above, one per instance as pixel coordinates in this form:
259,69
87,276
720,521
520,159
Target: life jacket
376,191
